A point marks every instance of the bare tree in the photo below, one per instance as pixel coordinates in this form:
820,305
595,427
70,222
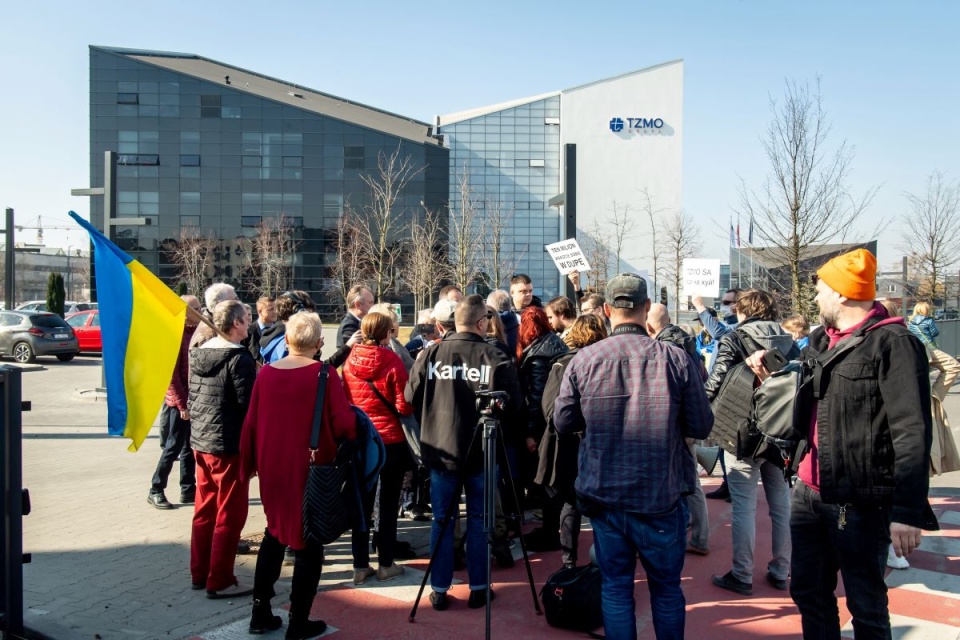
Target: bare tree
465,237
498,261
353,264
384,220
271,256
192,255
426,264
596,249
653,215
681,240
622,226
805,200
932,234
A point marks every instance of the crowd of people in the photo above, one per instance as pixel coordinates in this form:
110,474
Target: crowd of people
608,402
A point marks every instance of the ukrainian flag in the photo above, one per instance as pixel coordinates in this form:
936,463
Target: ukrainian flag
141,321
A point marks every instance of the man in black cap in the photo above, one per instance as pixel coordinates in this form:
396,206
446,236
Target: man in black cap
635,399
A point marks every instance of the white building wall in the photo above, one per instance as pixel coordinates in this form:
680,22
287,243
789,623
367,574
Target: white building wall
617,165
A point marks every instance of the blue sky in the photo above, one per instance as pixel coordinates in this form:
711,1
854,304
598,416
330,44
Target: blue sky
888,74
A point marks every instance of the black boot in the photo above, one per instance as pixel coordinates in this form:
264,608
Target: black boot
263,619
304,629
721,493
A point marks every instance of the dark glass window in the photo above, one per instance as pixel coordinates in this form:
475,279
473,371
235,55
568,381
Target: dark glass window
293,161
128,98
249,221
190,161
189,221
251,161
138,159
49,321
210,106
353,157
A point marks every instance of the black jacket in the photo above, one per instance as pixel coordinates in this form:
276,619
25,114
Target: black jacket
752,334
535,363
675,335
873,423
559,454
442,388
348,326
221,381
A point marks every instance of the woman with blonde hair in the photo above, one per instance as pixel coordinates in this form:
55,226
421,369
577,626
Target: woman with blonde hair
275,444
923,326
375,378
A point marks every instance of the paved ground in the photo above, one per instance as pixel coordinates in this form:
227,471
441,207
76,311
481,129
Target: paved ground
106,565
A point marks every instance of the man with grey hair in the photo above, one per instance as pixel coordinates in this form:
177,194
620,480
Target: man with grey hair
503,303
214,295
635,400
359,300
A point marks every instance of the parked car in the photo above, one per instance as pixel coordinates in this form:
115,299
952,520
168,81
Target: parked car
28,334
68,306
86,325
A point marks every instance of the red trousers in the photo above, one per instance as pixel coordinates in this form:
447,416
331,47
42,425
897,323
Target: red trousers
218,518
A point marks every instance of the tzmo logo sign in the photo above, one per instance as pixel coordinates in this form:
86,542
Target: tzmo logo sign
636,125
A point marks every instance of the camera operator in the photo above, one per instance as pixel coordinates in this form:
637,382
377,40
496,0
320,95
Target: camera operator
442,388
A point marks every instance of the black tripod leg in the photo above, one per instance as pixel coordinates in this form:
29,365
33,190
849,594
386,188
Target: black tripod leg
452,508
512,487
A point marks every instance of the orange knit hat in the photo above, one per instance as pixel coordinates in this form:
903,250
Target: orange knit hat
853,275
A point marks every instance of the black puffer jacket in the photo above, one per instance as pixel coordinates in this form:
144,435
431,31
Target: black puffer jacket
751,335
221,381
535,365
675,335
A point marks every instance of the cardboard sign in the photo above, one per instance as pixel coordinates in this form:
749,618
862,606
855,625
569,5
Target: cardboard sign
568,256
701,277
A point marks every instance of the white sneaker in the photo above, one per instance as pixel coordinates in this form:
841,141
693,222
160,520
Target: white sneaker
894,562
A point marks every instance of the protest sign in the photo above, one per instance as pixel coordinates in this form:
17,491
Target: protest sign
701,277
568,256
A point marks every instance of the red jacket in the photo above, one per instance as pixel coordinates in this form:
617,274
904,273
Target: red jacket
179,389
385,369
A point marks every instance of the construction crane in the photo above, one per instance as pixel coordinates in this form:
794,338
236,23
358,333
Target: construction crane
39,226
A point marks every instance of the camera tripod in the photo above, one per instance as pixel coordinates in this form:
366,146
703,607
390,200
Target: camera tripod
489,432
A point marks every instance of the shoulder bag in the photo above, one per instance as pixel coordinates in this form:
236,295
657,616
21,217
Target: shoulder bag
409,424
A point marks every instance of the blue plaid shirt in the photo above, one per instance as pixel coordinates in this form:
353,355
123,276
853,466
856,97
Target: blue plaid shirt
635,399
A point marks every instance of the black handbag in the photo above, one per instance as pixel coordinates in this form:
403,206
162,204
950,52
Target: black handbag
572,599
328,498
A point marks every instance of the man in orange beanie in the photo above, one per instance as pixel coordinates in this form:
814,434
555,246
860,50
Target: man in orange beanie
857,491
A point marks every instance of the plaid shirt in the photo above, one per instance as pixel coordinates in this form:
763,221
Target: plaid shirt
636,399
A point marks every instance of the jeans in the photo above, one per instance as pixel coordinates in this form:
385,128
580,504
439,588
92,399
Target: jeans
444,488
391,480
742,476
307,566
175,446
218,518
858,552
660,542
699,519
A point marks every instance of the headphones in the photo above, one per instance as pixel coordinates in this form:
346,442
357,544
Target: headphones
297,301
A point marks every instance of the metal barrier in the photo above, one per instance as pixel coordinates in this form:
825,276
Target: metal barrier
16,502
949,338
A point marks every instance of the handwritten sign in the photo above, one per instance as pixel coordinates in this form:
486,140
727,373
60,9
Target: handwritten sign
568,256
701,277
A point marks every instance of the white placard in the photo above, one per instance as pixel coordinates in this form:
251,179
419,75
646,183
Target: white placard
568,256
701,277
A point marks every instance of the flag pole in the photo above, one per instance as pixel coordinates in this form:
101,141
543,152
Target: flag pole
193,314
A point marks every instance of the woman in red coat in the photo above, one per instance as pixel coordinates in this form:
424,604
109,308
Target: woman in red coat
275,444
374,377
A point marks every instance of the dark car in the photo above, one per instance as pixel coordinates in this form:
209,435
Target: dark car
28,334
86,325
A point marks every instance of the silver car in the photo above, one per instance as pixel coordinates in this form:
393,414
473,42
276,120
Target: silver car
28,334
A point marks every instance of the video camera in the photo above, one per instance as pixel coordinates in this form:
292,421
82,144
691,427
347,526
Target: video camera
492,403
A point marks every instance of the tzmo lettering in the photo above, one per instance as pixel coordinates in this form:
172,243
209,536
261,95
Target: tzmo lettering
439,371
645,123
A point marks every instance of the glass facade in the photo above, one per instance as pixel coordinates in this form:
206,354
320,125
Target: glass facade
513,158
218,160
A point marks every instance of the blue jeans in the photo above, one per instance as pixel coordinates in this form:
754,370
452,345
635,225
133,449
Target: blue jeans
858,552
444,487
660,541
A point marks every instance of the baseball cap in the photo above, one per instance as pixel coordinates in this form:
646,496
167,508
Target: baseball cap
626,291
443,311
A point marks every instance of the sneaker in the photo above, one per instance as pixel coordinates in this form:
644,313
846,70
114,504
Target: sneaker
478,598
233,591
389,573
188,497
360,575
780,584
159,501
439,600
304,629
730,582
721,493
540,540
417,515
894,562
694,549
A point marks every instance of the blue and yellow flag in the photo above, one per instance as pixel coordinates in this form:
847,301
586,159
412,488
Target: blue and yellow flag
141,321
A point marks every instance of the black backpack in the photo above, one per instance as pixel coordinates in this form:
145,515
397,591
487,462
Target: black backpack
572,600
